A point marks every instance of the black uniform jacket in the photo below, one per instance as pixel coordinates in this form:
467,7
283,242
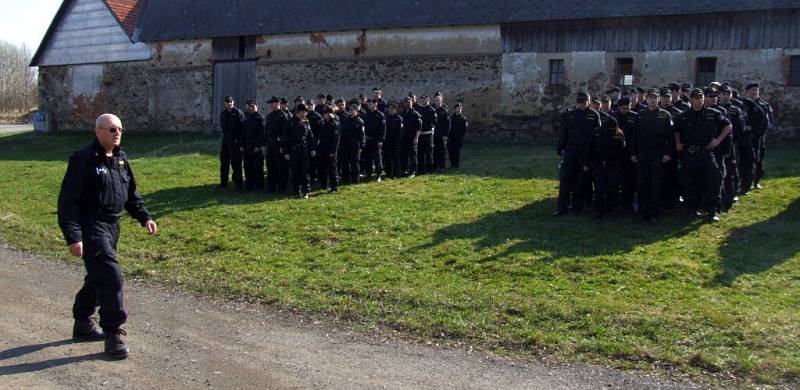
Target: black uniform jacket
97,187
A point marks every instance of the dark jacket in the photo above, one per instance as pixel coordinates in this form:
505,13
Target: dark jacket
276,126
329,135
254,131
231,122
97,187
298,136
458,126
654,133
352,132
606,149
412,123
443,122
577,127
429,118
315,120
698,128
375,126
394,129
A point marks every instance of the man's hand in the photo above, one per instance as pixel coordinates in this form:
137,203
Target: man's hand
634,159
151,227
666,158
679,147
286,157
313,153
586,168
76,249
241,149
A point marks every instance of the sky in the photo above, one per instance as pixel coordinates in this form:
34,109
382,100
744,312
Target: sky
26,21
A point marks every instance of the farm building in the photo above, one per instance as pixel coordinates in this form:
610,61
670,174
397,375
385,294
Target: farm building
165,65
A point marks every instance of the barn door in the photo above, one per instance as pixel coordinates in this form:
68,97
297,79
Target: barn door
237,79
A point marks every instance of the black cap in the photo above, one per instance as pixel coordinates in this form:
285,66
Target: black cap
299,99
437,94
610,123
632,91
751,85
696,93
228,99
310,102
582,97
665,92
613,89
423,97
596,99
361,96
284,101
652,92
458,105
274,99
321,96
639,89
411,94
710,92
726,89
329,97
300,107
674,87
376,89
624,101
393,105
250,101
605,100
327,109
686,87
372,100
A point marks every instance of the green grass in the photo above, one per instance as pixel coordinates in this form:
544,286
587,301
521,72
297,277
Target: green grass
471,257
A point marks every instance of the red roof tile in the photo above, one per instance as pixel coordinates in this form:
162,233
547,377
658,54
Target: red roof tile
127,13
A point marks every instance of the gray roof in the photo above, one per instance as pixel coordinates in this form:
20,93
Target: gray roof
187,19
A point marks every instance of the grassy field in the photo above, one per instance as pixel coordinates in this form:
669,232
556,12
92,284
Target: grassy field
472,257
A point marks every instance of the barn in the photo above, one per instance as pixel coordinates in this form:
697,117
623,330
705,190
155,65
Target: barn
164,65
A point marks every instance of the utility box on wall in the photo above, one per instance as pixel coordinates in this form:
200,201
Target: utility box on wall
42,121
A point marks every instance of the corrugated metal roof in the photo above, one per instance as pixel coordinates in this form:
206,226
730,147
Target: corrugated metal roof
187,19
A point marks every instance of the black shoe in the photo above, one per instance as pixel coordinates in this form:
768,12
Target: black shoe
86,331
115,347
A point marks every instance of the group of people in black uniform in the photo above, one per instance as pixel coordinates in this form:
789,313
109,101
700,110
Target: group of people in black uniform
331,140
647,151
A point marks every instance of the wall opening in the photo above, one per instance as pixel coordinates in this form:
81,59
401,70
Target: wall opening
794,71
623,71
706,70
556,72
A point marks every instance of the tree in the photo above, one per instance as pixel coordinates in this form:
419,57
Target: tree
17,80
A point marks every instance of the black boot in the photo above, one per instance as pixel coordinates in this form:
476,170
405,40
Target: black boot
86,331
115,347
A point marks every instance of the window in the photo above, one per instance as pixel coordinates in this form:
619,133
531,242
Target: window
624,71
235,48
794,71
706,70
556,72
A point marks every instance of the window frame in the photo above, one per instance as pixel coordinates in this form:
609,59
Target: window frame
558,73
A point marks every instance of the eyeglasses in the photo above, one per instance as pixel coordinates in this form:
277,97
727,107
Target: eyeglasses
114,129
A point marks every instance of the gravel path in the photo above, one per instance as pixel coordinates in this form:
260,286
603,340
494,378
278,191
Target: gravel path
179,341
9,128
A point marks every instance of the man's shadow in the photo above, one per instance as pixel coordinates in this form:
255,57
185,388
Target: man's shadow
532,229
45,364
758,247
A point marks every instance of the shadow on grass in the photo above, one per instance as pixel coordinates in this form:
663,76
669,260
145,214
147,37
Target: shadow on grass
758,247
178,199
532,229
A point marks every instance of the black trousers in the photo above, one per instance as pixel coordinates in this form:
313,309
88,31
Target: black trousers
729,182
671,188
408,157
628,182
230,158
391,158
746,157
300,162
454,150
351,157
606,177
571,176
329,172
277,168
439,153
702,180
425,153
103,283
373,158
649,178
760,150
254,169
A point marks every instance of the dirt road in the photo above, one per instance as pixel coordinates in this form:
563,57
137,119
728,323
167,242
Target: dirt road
178,341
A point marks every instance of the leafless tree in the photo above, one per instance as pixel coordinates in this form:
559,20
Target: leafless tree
17,80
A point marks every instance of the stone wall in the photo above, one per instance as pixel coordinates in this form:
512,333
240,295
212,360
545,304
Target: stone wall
530,106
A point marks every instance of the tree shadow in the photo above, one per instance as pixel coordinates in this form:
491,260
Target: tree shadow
532,229
759,247
26,349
